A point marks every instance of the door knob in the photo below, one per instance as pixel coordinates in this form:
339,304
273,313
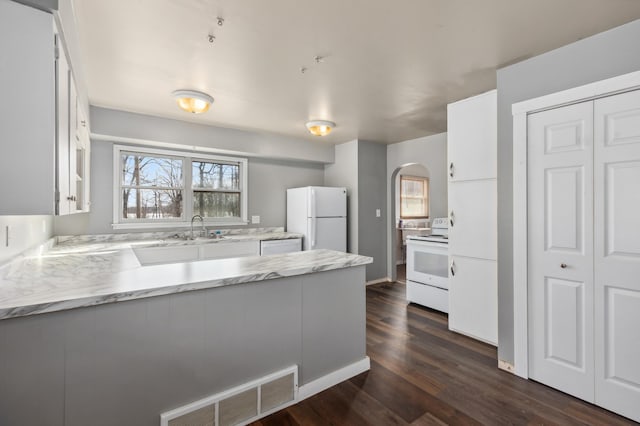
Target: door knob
563,265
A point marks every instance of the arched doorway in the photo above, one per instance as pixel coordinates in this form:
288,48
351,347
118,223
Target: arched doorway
398,257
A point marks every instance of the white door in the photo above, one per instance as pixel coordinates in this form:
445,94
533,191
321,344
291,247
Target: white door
326,233
327,202
560,235
617,253
473,215
472,138
473,301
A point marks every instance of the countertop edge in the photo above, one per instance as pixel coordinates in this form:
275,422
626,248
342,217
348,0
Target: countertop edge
114,297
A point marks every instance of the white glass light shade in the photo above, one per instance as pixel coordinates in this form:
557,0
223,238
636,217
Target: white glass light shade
320,127
193,101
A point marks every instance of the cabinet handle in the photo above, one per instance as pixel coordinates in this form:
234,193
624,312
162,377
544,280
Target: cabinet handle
451,218
451,169
453,271
563,265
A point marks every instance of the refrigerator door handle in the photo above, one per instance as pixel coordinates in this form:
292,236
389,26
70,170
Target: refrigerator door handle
314,223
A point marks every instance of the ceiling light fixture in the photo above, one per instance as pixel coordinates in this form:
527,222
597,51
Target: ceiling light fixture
320,127
193,101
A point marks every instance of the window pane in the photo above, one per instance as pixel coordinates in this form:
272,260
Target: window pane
145,170
216,204
151,204
215,176
412,188
413,207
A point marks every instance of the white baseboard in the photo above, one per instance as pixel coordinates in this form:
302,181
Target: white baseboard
332,379
378,281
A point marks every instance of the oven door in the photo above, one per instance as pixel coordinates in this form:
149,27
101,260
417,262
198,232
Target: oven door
427,263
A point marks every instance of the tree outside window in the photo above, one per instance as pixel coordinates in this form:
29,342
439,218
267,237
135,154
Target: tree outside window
155,185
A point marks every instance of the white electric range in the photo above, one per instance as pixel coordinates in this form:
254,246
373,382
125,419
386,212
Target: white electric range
427,267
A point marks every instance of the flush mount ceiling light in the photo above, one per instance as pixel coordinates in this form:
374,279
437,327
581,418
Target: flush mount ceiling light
193,101
320,127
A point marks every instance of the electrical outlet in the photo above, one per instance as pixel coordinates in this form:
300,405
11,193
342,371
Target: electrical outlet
255,219
6,235
377,212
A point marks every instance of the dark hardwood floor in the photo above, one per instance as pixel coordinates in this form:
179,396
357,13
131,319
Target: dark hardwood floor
423,374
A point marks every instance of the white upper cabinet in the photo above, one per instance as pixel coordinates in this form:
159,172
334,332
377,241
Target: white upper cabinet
27,113
473,224
72,141
472,138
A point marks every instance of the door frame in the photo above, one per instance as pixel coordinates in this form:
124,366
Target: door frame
520,111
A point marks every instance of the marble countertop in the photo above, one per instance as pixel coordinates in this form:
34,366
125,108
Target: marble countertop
80,272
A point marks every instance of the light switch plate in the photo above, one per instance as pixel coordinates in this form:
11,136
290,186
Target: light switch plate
377,212
255,219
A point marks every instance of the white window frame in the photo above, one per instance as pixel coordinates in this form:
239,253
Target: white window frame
187,199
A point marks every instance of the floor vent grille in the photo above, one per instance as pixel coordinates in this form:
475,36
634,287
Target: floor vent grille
240,405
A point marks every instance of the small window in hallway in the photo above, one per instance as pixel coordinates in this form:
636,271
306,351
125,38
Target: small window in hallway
414,197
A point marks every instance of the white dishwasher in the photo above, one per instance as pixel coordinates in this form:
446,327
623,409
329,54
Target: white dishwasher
280,246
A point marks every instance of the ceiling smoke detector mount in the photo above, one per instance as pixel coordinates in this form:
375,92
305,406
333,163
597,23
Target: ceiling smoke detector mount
320,127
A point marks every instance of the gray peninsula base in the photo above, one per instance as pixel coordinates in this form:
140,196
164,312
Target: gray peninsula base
126,363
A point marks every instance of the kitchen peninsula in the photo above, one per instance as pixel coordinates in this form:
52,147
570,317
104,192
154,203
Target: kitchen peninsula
178,332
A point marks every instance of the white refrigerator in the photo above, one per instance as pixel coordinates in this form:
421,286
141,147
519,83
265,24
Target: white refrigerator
320,213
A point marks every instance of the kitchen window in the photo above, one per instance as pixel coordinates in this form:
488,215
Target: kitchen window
414,197
158,188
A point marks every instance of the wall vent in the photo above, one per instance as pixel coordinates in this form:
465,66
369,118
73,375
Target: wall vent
241,405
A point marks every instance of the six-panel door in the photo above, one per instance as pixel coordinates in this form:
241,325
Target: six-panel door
560,174
617,252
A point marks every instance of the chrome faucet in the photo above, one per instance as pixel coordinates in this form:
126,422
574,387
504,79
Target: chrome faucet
203,231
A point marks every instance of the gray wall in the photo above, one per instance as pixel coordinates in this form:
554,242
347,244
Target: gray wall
430,152
46,5
27,113
268,181
344,172
604,55
372,195
117,125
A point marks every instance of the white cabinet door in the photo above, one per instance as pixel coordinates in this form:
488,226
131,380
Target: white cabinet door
75,187
560,238
473,298
473,219
472,138
617,253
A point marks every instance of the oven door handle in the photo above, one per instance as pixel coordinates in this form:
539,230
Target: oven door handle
453,271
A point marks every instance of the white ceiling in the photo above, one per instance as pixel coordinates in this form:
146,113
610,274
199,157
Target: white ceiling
389,69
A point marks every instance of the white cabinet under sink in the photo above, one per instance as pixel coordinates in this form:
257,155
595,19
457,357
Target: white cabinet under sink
193,252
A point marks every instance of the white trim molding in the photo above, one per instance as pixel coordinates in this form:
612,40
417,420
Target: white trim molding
520,112
333,378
